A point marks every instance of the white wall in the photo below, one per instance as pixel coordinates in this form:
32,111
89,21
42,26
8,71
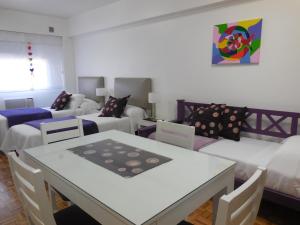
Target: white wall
127,12
31,23
37,24
176,53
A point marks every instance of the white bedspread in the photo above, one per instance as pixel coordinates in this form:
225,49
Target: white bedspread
55,114
22,136
251,153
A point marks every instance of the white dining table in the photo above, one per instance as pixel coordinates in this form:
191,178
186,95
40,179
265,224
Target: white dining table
163,195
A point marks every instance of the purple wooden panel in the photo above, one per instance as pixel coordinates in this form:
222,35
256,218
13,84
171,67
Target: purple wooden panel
184,110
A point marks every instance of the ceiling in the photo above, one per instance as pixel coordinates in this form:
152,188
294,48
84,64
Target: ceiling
59,8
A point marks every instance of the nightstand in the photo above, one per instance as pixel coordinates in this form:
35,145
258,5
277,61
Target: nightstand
146,123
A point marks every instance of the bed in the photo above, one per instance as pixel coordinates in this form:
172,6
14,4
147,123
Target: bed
55,114
86,108
283,180
22,136
138,89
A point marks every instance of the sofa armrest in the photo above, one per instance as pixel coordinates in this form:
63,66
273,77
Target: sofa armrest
146,131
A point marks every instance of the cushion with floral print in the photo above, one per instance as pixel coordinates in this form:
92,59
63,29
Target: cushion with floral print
114,107
61,101
53,106
207,120
232,121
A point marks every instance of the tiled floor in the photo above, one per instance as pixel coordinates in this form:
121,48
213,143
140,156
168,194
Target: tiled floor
11,212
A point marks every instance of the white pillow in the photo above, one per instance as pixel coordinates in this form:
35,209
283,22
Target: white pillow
135,115
135,112
89,106
76,101
284,167
287,158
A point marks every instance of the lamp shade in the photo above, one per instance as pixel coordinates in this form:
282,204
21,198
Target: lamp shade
152,98
101,91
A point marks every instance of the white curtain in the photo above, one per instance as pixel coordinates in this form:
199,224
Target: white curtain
14,63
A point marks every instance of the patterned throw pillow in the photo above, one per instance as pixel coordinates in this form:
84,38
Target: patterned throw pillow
53,106
114,107
61,101
232,121
207,120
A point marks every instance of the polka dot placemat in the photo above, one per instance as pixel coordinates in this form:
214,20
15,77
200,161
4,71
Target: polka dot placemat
122,159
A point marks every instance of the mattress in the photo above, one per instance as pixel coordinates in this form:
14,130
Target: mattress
23,136
251,153
109,123
55,114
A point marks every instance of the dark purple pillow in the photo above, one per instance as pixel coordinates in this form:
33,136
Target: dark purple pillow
232,121
207,121
54,104
114,107
61,101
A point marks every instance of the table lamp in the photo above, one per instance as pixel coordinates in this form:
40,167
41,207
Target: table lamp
152,99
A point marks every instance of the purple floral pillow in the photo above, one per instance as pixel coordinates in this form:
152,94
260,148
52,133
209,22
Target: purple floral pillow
114,107
54,104
61,101
232,121
207,120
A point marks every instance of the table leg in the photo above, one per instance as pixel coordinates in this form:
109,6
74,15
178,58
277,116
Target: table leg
52,198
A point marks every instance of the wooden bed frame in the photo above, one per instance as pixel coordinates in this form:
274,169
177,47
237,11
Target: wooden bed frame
275,128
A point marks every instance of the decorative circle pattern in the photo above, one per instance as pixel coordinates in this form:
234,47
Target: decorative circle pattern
89,152
133,154
108,161
122,169
121,152
137,170
133,163
152,160
106,154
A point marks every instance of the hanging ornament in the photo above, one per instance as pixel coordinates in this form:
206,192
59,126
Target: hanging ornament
30,58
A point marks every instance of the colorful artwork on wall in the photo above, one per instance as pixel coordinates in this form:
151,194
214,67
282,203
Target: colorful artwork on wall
237,43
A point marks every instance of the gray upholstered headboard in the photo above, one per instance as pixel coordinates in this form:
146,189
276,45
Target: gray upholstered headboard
88,85
138,88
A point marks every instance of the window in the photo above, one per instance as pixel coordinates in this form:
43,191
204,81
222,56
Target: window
14,63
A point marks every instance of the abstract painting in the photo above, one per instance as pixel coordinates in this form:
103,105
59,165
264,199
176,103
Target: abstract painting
237,43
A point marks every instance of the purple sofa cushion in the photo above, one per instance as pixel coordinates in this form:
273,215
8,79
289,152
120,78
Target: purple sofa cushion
207,120
232,121
89,127
22,115
199,141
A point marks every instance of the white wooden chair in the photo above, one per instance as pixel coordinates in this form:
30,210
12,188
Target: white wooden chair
61,130
30,187
175,134
241,206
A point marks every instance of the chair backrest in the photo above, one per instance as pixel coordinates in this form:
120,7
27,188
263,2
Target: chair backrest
175,134
61,130
30,187
241,206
